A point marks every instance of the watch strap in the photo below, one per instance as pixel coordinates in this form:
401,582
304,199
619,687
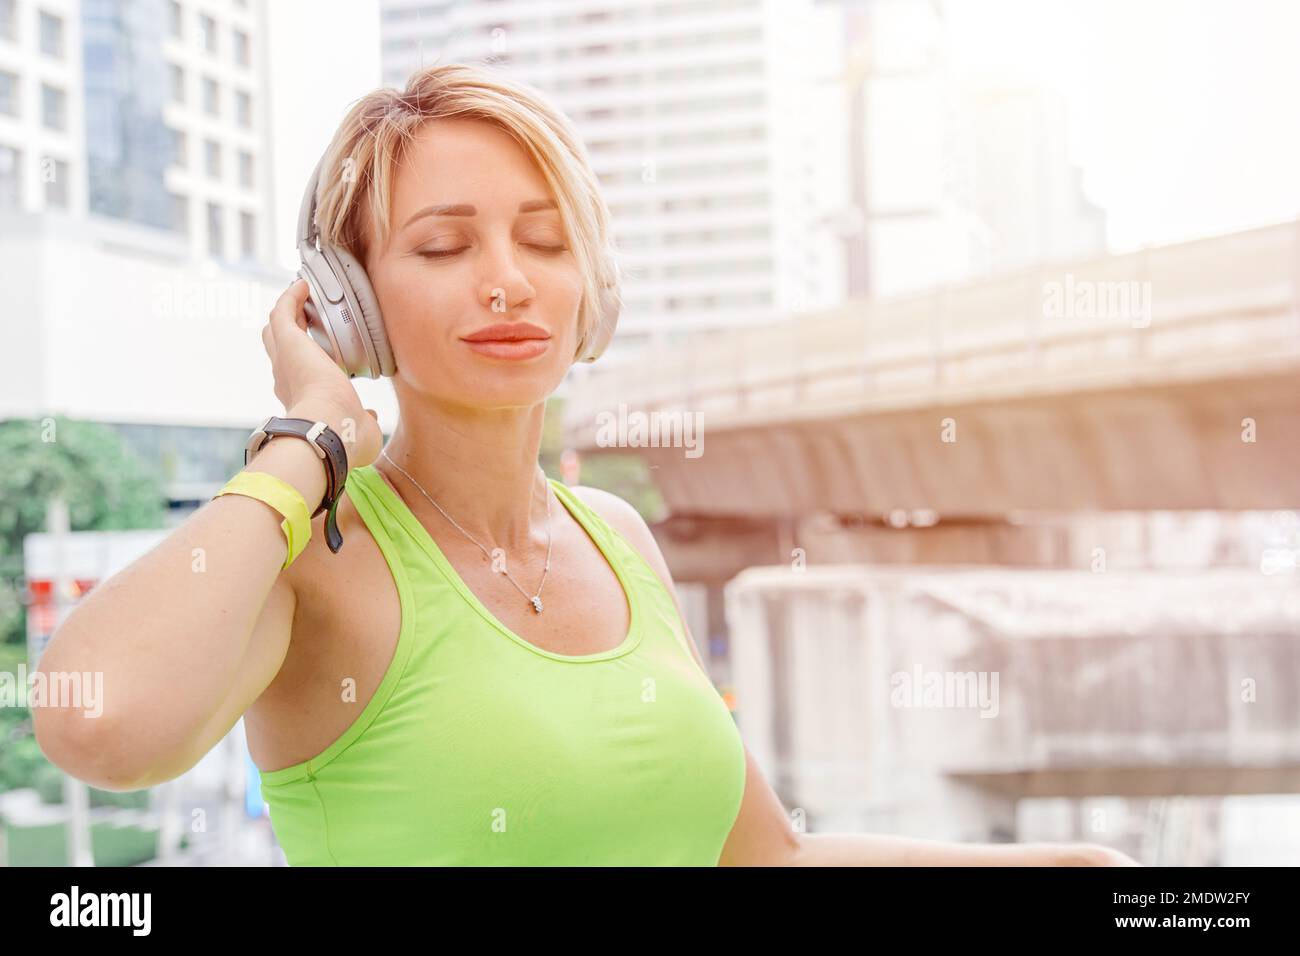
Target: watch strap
328,446
333,537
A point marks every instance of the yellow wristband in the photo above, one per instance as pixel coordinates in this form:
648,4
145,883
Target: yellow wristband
284,498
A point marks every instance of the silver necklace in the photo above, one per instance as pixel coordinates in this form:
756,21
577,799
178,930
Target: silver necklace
536,599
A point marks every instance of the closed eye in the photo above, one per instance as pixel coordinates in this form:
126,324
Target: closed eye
448,253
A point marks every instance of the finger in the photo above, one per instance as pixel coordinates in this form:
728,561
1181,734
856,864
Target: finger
268,341
297,289
289,303
287,311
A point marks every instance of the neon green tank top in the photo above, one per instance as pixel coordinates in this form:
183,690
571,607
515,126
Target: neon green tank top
481,749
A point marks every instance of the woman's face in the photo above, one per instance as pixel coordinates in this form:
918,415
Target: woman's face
476,241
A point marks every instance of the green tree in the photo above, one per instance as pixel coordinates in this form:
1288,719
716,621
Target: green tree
106,487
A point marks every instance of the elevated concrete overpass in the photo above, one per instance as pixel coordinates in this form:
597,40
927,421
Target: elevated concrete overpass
1165,378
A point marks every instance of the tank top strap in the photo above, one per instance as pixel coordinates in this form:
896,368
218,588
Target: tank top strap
370,495
659,607
613,545
360,488
600,529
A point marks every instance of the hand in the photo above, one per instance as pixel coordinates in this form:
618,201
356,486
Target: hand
1094,854
311,385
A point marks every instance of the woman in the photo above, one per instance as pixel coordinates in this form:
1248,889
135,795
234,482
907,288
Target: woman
414,699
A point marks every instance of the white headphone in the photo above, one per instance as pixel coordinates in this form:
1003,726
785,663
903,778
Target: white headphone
343,313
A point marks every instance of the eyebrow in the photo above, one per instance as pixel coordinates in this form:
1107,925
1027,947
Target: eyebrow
460,209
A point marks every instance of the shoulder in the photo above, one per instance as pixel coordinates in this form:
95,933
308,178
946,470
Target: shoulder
609,506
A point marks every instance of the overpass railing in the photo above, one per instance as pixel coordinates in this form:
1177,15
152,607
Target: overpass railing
1211,306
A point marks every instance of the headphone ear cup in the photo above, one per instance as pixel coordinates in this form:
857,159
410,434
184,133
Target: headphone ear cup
350,269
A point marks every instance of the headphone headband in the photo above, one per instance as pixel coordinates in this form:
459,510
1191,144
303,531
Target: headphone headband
307,209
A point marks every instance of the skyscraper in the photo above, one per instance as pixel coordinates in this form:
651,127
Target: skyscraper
42,156
147,111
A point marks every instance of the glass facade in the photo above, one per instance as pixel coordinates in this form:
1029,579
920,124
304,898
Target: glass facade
216,232
247,236
8,93
51,34
8,21
54,107
126,82
193,461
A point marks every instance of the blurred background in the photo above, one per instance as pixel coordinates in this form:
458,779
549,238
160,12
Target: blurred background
957,378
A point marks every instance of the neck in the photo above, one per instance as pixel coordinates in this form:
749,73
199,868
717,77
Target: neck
479,465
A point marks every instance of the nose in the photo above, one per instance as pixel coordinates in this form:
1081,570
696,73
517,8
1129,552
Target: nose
503,285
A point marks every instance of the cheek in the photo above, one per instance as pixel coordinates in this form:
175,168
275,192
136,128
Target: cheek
419,280
414,298
563,291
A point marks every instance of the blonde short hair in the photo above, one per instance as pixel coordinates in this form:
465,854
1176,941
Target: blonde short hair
361,161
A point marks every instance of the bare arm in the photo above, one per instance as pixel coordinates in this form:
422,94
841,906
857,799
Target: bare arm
181,641
184,639
869,849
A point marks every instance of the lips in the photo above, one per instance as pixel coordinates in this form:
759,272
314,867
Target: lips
507,332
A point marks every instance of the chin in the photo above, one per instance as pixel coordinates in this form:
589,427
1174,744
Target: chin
504,385
506,398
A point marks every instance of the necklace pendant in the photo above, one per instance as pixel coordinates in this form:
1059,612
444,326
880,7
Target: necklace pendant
537,604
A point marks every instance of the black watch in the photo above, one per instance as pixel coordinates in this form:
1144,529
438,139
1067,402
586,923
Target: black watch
328,447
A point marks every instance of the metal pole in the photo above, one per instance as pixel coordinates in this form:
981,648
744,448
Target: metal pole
76,795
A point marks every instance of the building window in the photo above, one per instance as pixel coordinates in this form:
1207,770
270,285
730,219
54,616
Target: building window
247,236
242,55
55,173
208,32
11,182
244,109
215,242
51,34
8,93
246,170
54,107
175,20
179,144
180,213
212,150
8,21
210,97
178,83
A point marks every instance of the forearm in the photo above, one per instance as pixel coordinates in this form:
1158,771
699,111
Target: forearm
869,849
164,640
